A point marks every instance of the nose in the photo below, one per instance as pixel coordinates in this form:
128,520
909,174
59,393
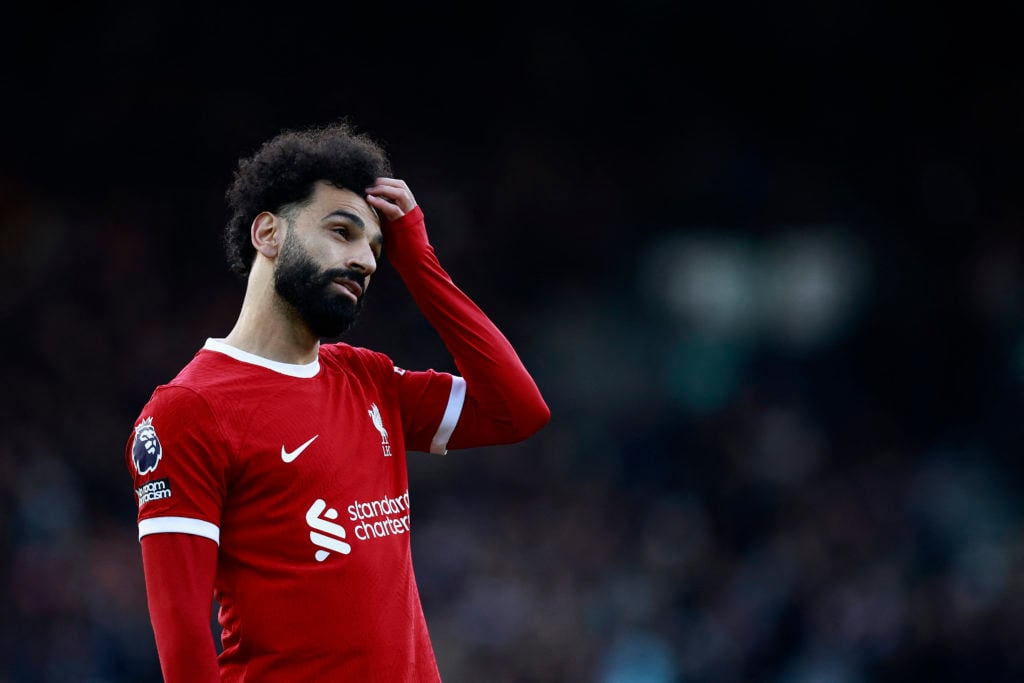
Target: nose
362,259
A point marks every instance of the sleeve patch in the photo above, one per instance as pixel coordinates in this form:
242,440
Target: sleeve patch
146,448
158,489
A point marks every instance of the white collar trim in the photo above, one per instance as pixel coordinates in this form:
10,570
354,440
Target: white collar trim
305,370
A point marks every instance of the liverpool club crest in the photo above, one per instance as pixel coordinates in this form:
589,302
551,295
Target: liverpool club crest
378,422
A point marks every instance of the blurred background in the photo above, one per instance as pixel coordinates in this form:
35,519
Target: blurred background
764,262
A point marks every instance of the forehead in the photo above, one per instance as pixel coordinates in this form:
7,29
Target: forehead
328,198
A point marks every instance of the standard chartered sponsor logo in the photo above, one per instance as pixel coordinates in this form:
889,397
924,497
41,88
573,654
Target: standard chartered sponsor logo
373,519
332,534
380,518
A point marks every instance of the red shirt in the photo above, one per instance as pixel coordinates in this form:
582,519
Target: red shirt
299,473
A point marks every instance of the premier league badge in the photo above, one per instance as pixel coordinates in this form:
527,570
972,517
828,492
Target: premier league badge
146,450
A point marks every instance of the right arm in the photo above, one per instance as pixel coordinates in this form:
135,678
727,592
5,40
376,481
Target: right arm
176,441
179,570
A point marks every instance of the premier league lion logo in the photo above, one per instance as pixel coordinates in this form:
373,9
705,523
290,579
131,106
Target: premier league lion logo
146,450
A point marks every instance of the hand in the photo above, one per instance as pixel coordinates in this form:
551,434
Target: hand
391,198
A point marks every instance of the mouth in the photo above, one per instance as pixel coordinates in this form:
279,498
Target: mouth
352,288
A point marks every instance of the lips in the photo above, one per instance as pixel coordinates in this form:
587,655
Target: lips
351,286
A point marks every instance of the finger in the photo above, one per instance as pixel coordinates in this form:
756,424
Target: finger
387,209
387,190
399,195
390,191
387,186
394,182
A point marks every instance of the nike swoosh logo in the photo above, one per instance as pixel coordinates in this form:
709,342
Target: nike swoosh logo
289,456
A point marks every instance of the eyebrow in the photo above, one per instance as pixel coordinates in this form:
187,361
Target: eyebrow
341,213
377,240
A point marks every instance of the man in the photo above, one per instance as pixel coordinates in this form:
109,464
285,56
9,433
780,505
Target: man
271,471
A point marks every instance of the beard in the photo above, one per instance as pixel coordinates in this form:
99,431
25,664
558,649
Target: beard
300,282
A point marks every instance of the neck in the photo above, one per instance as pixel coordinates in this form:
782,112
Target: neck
269,327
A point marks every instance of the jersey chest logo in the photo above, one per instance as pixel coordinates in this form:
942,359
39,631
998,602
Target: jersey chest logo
373,520
326,534
378,423
289,456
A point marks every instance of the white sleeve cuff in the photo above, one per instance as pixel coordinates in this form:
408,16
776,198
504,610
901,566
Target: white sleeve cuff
179,525
439,444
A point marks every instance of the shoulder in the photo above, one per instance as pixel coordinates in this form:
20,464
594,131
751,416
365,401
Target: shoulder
208,368
340,353
199,384
207,399
178,402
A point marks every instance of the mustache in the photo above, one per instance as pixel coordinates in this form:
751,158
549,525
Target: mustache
334,274
329,276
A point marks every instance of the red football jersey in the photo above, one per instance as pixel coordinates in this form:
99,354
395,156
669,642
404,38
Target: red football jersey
299,473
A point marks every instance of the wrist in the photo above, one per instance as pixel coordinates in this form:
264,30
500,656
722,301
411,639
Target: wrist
406,235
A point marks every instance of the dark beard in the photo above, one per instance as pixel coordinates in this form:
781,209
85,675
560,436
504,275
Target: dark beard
300,282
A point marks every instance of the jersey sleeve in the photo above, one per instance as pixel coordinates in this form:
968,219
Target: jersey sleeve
431,404
180,572
499,402
178,461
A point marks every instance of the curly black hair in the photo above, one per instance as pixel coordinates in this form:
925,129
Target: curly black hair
284,171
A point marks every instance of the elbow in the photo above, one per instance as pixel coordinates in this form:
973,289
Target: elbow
532,416
489,418
542,416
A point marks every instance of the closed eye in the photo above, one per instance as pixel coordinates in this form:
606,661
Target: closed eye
342,232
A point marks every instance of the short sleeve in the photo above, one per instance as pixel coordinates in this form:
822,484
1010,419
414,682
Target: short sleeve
178,461
431,404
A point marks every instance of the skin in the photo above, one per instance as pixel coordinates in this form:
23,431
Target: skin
339,229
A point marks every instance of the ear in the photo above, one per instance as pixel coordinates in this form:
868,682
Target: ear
267,234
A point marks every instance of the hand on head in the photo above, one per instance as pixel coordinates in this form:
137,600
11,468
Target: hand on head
391,197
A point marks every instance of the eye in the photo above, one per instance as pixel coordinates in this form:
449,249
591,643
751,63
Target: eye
341,232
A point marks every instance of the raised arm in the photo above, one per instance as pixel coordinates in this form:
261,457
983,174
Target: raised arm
503,403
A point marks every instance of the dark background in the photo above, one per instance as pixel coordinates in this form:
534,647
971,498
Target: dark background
764,262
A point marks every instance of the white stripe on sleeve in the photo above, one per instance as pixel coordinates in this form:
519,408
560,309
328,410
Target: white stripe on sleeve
456,398
179,525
